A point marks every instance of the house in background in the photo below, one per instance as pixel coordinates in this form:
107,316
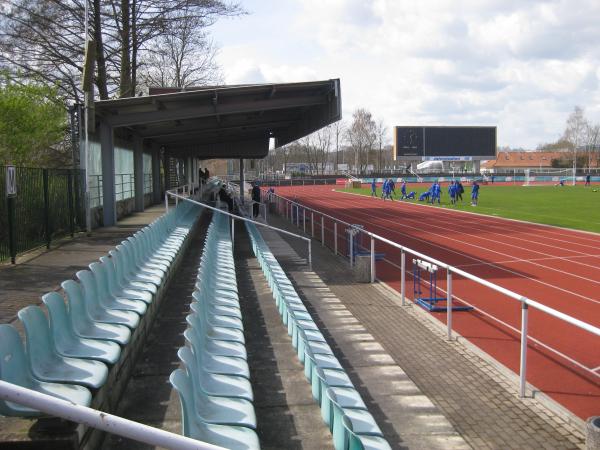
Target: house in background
540,161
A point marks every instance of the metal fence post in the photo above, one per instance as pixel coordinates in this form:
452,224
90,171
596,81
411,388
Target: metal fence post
449,302
351,253
403,277
232,230
166,202
335,244
47,208
12,238
372,260
304,220
322,231
312,224
70,203
310,255
523,362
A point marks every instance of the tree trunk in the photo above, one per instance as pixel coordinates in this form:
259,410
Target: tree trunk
101,81
125,75
134,47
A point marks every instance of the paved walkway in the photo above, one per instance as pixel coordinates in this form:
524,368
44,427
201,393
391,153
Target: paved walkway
42,271
433,390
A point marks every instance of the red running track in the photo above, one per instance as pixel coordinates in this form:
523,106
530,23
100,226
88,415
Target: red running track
559,268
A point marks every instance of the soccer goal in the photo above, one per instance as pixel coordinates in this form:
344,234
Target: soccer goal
548,176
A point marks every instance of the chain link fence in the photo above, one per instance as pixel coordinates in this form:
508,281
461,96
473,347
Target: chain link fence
49,204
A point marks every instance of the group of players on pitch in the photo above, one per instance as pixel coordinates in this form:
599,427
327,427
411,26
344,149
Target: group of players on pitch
433,194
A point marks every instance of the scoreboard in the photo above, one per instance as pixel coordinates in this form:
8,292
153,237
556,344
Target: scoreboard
444,143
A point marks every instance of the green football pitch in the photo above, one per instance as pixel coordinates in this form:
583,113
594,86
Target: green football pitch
575,207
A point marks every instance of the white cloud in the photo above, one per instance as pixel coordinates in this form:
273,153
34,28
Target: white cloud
518,64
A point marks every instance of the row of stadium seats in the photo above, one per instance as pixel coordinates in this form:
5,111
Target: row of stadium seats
342,407
72,352
214,381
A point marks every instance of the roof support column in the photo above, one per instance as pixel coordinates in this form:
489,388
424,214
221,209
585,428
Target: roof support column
188,172
109,201
477,166
242,181
156,192
138,172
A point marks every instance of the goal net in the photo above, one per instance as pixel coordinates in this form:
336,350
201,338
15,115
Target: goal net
548,176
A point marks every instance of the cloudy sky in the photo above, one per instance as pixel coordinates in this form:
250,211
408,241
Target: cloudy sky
518,64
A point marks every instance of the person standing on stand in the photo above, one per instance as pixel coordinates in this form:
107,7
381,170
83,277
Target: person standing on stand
255,199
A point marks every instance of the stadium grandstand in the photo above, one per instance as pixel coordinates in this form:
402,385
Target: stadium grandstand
182,320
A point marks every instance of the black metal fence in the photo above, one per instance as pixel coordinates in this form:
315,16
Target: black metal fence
50,203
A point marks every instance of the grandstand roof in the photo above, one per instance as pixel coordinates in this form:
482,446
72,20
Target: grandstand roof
226,121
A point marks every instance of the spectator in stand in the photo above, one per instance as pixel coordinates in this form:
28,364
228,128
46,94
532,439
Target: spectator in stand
206,174
224,196
255,199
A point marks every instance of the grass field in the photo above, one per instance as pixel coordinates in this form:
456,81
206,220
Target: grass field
569,206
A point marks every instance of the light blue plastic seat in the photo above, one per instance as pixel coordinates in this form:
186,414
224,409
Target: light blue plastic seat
363,442
217,308
231,328
46,364
97,311
218,385
351,421
131,274
124,281
141,268
67,343
345,397
234,438
126,292
106,299
221,410
212,345
147,263
15,369
219,364
82,323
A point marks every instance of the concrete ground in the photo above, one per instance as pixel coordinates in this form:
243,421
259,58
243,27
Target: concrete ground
424,391
41,271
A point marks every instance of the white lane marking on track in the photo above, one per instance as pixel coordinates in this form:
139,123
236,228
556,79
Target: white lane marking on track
593,300
516,330
543,227
595,267
506,237
517,260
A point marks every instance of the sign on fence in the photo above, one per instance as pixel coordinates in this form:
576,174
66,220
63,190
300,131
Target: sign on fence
11,181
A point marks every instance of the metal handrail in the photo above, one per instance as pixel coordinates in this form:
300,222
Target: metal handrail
235,217
525,301
99,419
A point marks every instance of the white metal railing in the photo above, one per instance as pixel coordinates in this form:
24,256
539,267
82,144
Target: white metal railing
99,419
291,209
235,217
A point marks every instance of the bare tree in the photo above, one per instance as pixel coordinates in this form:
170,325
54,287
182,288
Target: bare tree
593,143
182,57
362,136
381,133
338,132
323,147
44,38
577,126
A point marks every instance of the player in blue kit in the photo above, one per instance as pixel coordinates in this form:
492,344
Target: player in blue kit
383,188
403,190
474,193
452,188
373,188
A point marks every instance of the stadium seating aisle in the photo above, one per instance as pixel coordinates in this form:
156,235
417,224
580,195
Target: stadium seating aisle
342,408
72,353
213,382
